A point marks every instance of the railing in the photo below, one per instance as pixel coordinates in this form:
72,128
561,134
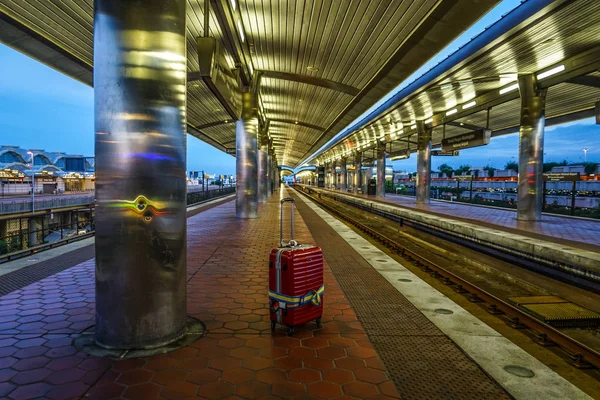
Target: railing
80,225
24,205
197,197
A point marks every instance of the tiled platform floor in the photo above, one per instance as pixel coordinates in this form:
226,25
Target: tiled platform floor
238,358
578,232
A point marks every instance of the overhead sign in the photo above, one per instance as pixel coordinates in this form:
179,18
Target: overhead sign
230,151
476,138
561,176
464,177
401,156
217,75
444,153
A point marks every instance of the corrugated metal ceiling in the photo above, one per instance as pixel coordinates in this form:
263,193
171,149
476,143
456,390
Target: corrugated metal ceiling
369,46
548,40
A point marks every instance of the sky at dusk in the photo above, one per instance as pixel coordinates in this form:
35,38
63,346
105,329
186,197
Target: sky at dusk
44,109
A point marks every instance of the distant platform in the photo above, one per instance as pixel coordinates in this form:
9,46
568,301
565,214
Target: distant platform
572,245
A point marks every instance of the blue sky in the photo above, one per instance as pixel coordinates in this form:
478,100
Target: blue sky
44,109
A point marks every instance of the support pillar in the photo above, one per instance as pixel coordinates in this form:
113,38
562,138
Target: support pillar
262,174
357,172
140,103
32,227
344,175
423,163
531,149
380,189
246,160
269,174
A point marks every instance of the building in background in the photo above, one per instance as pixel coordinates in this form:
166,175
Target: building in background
54,172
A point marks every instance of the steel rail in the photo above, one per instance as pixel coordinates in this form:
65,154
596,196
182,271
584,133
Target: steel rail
580,355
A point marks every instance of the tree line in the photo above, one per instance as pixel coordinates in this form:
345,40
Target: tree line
589,167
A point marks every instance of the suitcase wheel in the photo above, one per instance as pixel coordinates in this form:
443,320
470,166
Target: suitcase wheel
273,323
291,331
318,321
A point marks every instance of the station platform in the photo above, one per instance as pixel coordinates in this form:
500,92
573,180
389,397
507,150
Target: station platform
380,338
582,233
570,245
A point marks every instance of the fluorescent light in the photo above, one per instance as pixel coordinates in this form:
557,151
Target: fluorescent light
233,4
509,88
251,68
550,72
240,30
383,139
451,112
469,105
413,127
428,121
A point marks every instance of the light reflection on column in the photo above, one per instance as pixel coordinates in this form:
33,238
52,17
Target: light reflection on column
140,102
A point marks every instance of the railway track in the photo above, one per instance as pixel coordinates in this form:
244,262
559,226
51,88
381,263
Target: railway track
578,354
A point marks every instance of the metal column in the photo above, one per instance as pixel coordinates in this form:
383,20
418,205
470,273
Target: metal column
380,189
531,149
246,160
357,172
344,174
269,174
262,174
423,162
140,103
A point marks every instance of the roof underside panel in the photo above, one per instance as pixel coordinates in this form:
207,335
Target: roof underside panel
364,47
570,30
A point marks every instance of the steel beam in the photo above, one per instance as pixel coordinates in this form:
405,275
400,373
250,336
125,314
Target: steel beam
140,120
311,80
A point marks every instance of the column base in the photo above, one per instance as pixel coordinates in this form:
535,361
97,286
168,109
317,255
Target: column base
193,331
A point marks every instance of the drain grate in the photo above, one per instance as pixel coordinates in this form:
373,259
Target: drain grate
557,311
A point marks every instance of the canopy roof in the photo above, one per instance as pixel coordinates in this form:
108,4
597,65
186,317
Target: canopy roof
476,87
317,65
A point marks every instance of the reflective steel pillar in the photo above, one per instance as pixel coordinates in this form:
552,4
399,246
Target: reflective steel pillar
140,102
380,189
344,175
269,174
334,179
327,175
423,162
531,149
246,169
262,174
357,172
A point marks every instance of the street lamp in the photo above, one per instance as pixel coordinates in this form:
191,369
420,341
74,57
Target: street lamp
32,184
585,154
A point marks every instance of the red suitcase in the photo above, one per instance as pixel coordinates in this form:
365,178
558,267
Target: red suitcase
295,281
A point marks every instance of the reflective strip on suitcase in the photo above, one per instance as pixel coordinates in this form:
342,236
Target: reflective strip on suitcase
289,302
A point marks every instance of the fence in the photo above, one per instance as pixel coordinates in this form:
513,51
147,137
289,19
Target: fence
20,236
22,205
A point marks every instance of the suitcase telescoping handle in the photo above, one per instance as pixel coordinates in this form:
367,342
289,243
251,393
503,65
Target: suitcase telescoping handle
292,243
